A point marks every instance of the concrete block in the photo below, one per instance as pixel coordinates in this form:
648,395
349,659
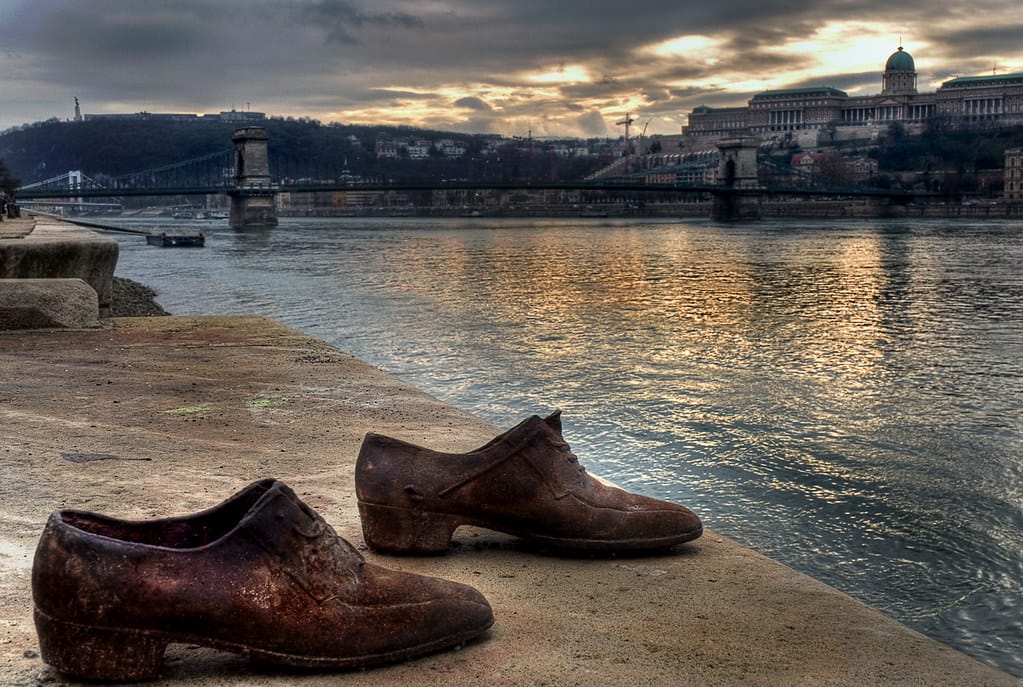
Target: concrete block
48,304
56,250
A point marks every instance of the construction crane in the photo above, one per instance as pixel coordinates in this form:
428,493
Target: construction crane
627,122
642,135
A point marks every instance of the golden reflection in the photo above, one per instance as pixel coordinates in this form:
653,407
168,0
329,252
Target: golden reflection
664,297
838,311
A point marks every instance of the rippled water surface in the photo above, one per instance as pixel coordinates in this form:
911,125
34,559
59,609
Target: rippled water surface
844,398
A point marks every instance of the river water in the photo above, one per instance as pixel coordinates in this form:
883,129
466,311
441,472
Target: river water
845,398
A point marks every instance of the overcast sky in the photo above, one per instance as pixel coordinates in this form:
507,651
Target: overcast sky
553,67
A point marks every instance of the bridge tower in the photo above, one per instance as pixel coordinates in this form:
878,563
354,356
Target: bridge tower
737,171
252,199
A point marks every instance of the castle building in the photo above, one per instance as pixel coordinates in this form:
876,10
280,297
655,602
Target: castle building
824,115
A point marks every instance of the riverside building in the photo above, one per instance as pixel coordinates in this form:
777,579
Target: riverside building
822,115
1013,192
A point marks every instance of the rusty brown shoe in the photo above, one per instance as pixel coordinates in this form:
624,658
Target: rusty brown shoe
261,574
525,482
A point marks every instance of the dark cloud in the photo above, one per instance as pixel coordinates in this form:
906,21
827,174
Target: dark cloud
342,20
472,103
761,61
656,95
467,61
969,43
600,89
393,95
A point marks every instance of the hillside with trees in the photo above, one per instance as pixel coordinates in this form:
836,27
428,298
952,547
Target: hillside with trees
307,148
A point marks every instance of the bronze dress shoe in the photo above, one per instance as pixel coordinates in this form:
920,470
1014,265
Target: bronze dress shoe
525,482
261,574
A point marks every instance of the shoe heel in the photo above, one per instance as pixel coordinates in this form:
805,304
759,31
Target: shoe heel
98,653
400,530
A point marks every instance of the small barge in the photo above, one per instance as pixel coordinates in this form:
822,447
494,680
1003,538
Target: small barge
177,239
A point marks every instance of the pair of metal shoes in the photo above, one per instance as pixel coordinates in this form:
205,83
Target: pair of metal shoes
264,575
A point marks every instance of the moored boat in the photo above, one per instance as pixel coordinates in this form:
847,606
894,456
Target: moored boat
177,239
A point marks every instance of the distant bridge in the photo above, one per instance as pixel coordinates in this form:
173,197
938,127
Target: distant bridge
616,186
244,174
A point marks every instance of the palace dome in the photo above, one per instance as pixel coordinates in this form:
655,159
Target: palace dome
900,61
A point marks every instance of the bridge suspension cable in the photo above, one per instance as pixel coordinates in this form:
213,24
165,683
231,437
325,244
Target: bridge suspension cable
214,170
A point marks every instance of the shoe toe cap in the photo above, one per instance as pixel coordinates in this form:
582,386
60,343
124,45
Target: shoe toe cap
427,613
463,610
650,523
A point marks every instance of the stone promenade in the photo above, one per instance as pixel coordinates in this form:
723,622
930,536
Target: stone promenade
146,417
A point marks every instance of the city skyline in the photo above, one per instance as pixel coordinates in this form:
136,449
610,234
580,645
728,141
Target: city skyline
565,69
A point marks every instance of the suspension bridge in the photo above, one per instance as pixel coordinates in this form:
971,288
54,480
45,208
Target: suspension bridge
243,173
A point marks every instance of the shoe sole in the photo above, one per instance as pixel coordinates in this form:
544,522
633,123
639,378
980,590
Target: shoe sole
124,654
399,530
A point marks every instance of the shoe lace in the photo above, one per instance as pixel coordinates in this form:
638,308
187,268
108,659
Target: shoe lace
325,546
566,451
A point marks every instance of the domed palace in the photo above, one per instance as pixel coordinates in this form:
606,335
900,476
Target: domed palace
899,73
813,116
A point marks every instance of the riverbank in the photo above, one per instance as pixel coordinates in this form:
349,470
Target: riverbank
132,299
790,209
167,415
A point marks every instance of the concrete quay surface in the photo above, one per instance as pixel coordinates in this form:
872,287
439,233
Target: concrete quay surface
150,417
